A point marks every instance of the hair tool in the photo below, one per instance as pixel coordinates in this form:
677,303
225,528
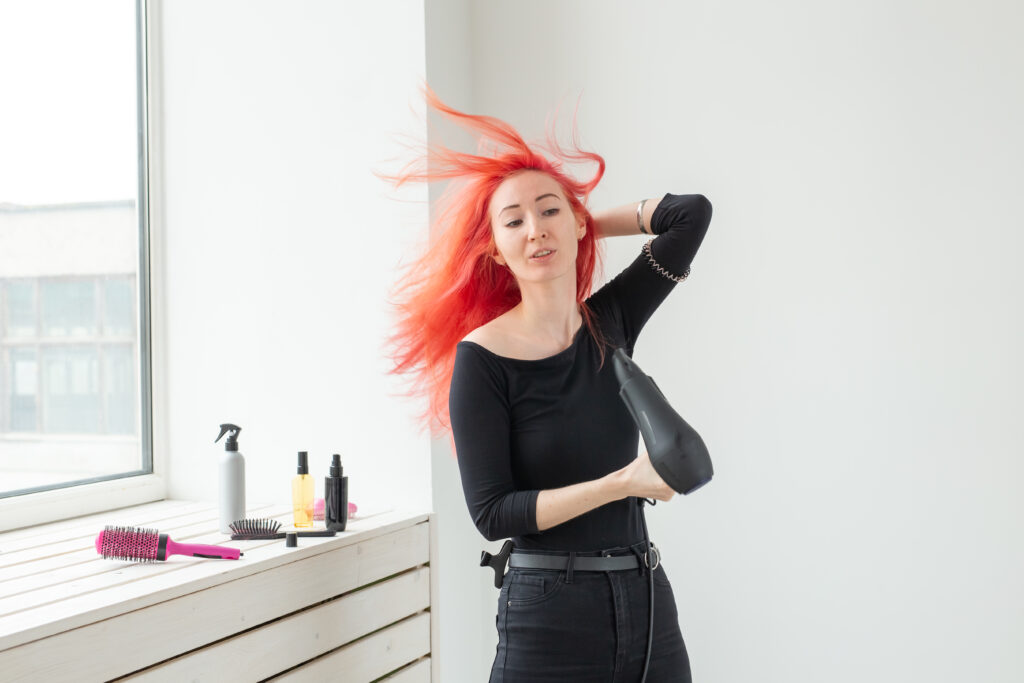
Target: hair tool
677,452
265,529
146,545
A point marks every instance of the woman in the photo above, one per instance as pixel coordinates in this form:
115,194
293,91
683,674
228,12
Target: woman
501,323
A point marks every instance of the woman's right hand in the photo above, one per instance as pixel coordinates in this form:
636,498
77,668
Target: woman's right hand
640,479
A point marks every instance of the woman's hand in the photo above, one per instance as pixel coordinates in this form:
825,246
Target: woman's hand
640,479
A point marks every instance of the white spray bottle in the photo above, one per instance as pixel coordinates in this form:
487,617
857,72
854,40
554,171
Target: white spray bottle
232,479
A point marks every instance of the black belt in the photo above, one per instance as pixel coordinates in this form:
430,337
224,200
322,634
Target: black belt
565,561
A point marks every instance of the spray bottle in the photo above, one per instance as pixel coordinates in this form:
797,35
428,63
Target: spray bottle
336,496
232,479
302,493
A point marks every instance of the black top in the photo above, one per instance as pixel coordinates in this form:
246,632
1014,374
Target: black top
521,426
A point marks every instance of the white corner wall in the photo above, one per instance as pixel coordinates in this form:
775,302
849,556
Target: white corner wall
848,343
465,645
280,245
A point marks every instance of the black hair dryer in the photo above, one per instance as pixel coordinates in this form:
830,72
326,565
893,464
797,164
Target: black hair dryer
676,450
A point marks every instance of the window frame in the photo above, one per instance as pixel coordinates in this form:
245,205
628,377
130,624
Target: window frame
74,500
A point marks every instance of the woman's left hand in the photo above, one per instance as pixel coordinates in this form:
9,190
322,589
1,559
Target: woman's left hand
640,479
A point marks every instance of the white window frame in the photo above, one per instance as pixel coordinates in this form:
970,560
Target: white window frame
74,501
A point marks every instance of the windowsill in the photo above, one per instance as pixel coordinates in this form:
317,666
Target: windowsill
52,580
74,501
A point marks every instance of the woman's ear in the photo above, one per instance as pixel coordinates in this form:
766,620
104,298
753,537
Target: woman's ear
495,254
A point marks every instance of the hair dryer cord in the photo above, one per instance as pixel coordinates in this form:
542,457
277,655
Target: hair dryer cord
650,582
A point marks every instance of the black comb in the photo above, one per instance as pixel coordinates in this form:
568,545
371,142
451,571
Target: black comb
266,529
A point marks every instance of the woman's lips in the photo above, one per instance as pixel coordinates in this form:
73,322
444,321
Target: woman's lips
543,258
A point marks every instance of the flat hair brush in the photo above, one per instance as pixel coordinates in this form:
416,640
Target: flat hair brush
265,529
147,545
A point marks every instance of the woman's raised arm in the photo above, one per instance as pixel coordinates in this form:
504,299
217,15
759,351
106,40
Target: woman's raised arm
621,220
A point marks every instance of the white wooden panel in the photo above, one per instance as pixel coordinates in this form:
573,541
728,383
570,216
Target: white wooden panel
74,551
83,563
141,515
195,529
418,672
370,658
142,585
285,643
130,642
121,516
435,602
197,522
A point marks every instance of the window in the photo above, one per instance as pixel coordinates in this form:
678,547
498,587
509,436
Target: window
74,316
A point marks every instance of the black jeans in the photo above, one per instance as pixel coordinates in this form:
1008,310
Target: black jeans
592,630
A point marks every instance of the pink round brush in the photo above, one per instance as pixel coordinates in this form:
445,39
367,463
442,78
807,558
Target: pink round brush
133,543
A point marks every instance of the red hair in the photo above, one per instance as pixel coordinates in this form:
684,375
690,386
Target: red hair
455,286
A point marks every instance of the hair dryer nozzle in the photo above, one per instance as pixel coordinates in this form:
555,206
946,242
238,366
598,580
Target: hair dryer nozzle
625,368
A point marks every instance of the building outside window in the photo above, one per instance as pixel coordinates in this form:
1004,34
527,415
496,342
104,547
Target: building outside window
74,331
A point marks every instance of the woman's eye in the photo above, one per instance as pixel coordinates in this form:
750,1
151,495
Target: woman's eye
518,221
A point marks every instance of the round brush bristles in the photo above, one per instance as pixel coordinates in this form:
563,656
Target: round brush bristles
128,543
255,526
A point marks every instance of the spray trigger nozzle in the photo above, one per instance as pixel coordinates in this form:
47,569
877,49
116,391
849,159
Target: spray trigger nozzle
232,441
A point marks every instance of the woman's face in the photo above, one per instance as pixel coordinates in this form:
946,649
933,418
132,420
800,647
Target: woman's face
530,215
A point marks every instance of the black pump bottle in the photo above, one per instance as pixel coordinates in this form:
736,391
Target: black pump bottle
677,452
336,496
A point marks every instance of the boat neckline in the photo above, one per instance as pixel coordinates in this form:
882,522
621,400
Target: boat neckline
575,338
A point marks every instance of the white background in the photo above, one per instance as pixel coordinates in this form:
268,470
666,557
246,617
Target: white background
848,342
846,345
280,243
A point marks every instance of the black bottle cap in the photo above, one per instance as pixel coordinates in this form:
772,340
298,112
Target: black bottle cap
232,442
303,462
291,540
336,468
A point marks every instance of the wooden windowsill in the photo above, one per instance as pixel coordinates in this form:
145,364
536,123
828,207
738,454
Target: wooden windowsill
52,580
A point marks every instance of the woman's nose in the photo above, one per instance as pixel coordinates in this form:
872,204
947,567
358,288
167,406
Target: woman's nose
536,230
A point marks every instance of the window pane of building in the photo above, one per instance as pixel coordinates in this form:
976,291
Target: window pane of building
68,308
21,309
71,363
119,388
72,396
118,307
24,383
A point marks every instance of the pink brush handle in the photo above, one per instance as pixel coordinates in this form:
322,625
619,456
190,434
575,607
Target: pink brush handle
200,550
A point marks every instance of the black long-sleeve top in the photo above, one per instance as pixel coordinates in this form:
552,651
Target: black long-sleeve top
522,426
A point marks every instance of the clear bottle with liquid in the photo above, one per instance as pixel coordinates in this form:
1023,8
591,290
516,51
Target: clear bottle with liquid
302,493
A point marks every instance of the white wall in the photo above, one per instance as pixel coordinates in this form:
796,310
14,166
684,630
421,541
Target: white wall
843,345
280,245
465,647
847,342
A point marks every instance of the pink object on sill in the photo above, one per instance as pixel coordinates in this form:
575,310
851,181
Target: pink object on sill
318,509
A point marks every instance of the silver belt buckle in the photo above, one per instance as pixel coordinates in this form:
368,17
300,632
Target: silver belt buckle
657,557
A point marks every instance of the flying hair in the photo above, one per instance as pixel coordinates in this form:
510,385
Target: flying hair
455,286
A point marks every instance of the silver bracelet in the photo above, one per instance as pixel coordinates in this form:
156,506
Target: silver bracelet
659,269
640,217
